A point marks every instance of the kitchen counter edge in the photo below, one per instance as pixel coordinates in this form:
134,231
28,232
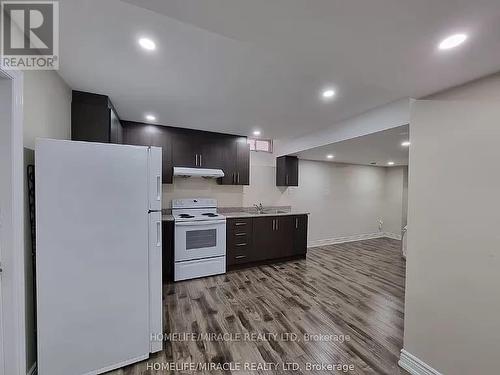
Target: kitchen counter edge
241,215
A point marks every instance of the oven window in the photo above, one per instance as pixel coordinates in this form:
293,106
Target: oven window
198,239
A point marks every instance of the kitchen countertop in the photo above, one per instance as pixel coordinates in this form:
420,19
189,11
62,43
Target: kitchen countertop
245,214
270,212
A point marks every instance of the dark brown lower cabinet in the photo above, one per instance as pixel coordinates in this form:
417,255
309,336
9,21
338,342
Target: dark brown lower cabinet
264,239
239,241
300,234
261,239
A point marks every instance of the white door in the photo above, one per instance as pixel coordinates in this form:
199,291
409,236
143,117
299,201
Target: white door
5,204
2,362
12,312
92,256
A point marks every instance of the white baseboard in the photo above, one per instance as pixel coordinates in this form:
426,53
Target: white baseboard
357,237
337,240
32,370
394,236
414,365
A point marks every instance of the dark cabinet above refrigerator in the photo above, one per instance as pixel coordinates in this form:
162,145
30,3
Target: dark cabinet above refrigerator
94,119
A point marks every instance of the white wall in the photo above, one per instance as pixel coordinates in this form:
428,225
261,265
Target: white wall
452,300
343,200
47,107
47,114
394,200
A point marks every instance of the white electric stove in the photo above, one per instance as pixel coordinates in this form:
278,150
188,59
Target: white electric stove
200,238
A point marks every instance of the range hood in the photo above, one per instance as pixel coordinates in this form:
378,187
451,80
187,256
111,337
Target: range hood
198,172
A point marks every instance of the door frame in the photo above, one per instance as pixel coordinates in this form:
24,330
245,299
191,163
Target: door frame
13,305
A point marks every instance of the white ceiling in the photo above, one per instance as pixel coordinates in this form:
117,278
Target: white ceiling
380,147
236,65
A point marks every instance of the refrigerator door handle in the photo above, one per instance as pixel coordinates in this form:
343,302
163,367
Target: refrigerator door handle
155,174
158,188
158,234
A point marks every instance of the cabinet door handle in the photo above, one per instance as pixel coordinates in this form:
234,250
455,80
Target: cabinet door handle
234,178
286,179
201,160
274,224
277,224
196,159
296,223
240,257
240,223
241,244
240,234
238,177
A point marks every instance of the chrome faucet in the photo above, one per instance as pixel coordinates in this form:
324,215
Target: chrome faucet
259,207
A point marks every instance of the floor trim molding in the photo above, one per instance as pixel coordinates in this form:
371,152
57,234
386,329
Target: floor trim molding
337,240
357,237
414,365
394,236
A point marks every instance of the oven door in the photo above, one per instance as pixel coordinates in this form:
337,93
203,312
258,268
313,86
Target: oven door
199,239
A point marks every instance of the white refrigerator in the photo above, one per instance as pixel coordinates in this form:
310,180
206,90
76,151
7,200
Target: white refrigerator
98,255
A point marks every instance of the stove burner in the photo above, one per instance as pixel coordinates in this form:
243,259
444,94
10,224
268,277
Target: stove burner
210,214
186,216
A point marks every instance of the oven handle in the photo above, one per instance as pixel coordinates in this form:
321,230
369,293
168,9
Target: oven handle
199,222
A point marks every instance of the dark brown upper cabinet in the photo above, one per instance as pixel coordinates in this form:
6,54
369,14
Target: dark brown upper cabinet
196,149
140,134
235,156
94,119
287,171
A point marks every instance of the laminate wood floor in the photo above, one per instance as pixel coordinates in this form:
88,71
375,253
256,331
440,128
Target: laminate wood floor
352,294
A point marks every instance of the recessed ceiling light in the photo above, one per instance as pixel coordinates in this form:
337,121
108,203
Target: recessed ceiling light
147,44
452,41
390,163
150,117
328,94
256,132
406,143
329,156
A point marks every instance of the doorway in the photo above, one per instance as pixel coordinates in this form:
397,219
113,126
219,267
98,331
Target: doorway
12,322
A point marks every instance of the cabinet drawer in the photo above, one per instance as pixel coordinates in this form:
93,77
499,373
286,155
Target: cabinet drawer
240,225
236,238
239,254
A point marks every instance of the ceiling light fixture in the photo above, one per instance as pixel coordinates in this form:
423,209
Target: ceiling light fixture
329,156
150,117
328,94
406,143
147,44
390,163
452,41
256,133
